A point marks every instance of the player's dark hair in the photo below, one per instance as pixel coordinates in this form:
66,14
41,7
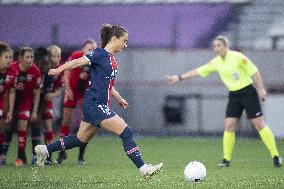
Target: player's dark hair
89,41
25,49
4,47
40,54
108,31
41,58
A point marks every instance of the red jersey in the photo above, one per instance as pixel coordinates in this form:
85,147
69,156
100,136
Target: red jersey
7,80
79,77
26,81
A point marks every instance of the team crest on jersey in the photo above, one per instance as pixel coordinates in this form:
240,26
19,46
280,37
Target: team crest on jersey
29,77
236,76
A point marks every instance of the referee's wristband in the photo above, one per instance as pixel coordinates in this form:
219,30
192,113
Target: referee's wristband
179,77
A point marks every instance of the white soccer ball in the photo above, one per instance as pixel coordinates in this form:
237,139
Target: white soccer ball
195,171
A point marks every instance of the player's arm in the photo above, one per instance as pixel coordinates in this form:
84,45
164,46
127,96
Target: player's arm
253,72
35,104
68,90
259,84
69,65
188,75
12,97
66,78
202,71
121,101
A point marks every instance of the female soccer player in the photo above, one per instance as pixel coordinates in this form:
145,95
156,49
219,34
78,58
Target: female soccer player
237,72
46,59
7,93
76,81
96,112
27,100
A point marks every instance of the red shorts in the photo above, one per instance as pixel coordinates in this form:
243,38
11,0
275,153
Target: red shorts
47,110
24,109
77,98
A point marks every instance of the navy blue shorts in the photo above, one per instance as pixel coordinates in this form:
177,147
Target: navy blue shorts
94,112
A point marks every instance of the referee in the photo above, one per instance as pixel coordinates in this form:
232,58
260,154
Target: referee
238,73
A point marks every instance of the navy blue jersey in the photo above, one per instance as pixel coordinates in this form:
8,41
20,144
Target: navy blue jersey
48,83
103,69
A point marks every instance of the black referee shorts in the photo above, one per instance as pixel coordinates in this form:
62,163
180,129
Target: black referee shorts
244,99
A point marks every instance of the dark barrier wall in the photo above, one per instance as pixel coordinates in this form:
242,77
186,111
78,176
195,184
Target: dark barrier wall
170,26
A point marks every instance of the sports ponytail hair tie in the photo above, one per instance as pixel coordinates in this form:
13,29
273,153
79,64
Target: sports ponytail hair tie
179,77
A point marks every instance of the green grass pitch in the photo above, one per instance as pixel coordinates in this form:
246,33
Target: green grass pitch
108,167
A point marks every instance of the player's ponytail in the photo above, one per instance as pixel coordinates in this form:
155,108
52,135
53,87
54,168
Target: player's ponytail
108,31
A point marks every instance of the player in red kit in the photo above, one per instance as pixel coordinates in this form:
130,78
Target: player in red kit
27,98
7,93
46,59
76,82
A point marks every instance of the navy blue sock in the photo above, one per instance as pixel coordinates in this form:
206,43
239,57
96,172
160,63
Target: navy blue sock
82,152
131,148
36,135
65,143
7,139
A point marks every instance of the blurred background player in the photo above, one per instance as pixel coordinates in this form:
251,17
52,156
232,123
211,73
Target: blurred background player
50,87
27,100
76,82
7,86
237,72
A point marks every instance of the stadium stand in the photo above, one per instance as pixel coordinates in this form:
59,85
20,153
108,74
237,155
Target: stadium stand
118,1
255,23
156,26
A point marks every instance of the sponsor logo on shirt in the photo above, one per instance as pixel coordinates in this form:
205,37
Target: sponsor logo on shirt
29,77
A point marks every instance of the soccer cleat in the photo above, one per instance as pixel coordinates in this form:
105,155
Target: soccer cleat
3,160
81,162
42,154
277,161
61,157
22,155
48,161
224,163
151,170
19,162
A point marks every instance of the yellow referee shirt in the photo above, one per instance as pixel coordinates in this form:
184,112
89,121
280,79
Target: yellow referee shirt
235,71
